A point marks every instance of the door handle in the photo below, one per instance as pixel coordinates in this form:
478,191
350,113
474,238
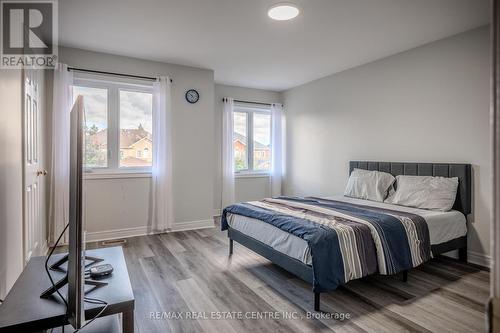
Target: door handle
41,173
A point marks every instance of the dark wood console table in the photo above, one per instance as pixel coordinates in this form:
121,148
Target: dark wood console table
24,311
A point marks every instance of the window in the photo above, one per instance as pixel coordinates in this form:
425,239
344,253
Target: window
261,141
240,142
252,139
96,125
136,113
118,124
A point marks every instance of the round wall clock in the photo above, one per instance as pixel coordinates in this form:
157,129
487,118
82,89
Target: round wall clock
192,96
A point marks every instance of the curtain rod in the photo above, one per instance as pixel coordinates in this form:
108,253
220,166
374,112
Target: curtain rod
249,102
112,73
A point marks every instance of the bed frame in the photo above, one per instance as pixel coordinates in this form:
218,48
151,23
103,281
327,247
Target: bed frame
463,203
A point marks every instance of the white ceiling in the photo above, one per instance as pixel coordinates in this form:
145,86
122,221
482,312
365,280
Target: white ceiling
244,47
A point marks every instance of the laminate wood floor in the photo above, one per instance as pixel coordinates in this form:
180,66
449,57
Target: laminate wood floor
189,273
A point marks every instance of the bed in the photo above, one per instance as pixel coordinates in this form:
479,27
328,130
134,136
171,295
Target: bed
426,233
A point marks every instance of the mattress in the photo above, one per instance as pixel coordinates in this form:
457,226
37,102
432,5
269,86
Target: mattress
443,227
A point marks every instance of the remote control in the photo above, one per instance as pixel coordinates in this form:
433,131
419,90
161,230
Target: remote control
100,270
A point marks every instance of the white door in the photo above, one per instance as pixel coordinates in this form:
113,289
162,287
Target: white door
33,212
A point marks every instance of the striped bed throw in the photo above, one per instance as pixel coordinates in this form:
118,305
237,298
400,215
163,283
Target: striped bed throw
347,241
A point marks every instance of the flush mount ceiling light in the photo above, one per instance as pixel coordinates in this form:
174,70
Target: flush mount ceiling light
283,11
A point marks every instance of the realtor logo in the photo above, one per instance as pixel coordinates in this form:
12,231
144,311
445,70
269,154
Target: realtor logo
29,34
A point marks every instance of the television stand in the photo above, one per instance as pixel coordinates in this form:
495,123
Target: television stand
61,283
24,311
57,265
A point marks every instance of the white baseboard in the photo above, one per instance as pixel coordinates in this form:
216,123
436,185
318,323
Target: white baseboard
477,258
192,225
44,249
116,233
480,259
145,230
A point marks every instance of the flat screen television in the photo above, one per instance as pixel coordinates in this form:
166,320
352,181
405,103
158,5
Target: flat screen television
76,255
76,259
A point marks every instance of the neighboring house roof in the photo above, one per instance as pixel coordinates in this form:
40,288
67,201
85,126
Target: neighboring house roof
128,137
243,140
135,143
240,138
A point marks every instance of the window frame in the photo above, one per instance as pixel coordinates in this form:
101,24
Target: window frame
113,87
250,110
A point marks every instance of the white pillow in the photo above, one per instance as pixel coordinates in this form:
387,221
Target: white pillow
369,185
435,193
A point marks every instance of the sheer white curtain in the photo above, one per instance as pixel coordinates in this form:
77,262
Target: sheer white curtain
278,148
62,100
161,203
227,153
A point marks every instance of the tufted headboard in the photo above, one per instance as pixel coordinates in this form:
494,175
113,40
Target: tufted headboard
463,202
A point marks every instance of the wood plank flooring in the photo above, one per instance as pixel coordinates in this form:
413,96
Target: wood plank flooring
191,272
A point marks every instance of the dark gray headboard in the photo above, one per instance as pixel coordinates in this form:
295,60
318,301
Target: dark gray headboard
463,202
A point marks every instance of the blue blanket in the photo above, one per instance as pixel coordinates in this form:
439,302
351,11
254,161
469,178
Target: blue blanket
383,238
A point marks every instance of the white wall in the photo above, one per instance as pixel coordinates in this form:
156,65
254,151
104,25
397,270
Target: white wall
11,221
429,104
117,204
246,188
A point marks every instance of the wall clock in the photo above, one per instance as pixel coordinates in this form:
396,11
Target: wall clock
192,96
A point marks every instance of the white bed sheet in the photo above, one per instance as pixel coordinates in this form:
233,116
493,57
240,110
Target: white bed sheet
443,227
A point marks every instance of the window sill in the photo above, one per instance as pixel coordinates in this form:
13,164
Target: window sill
116,175
252,175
